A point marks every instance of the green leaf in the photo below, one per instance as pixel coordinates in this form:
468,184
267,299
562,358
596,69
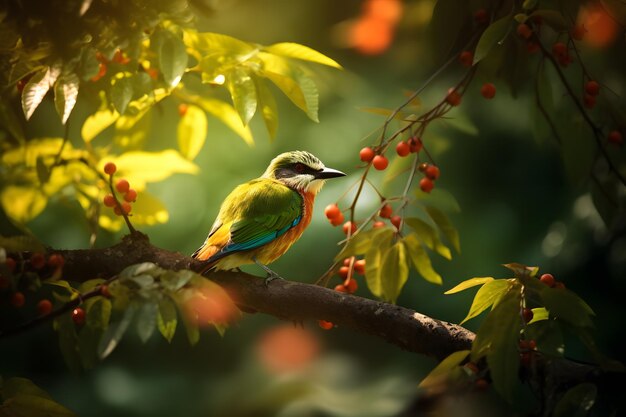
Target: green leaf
444,367
489,294
166,319
98,313
215,43
444,224
565,305
144,268
374,260
227,115
147,320
552,18
497,339
548,336
115,332
472,282
267,104
394,271
97,122
446,24
420,259
121,93
24,405
175,280
192,130
295,50
577,401
441,199
11,122
360,243
492,36
243,93
427,234
65,95
172,58
68,341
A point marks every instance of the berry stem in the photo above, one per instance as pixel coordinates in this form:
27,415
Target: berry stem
131,229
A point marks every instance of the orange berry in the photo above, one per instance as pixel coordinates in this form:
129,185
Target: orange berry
426,185
378,224
432,172
380,162
38,260
415,144
78,316
56,260
344,271
10,264
126,207
332,211
110,168
385,211
346,262
349,227
122,186
336,221
341,288
559,49
481,384
578,32
422,167
453,98
481,16
17,299
532,344
592,88
182,109
470,366
109,200
102,70
528,315
396,221
589,101
359,266
615,137
488,90
44,307
547,279
524,31
367,154
403,149
104,291
466,58
117,211
326,325
130,196
352,286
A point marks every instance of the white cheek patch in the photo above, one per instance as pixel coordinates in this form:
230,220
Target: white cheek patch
315,186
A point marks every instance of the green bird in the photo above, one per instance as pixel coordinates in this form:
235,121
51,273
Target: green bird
260,219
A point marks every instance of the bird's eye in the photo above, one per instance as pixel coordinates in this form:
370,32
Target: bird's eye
300,168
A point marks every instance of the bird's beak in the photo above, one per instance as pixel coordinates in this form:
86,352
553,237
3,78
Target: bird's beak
328,173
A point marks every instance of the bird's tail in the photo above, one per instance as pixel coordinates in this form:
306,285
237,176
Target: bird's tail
205,253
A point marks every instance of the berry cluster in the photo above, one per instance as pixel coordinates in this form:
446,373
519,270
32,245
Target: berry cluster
348,285
119,57
123,187
431,173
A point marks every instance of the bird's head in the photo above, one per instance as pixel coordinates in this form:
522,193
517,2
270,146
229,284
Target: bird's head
301,171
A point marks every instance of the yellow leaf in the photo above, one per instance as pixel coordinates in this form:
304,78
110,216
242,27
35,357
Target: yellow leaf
97,122
227,115
192,130
394,271
147,210
267,105
472,282
420,259
295,50
22,203
40,148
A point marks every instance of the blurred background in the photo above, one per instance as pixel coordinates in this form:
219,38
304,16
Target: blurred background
516,206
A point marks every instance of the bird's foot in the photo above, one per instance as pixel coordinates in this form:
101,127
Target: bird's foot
271,275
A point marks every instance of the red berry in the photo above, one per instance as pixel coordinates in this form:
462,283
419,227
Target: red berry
78,316
453,98
109,200
415,144
426,185
532,47
422,167
102,70
44,307
559,49
592,88
336,221
10,264
367,154
559,285
352,286
344,271
122,186
104,291
589,101
470,366
432,172
341,288
17,299
21,84
130,196
38,260
182,109
349,227
524,31
466,58
481,16
488,90
326,325
527,313
359,266
385,211
481,384
396,221
578,32
547,279
380,162
126,207
378,224
615,137
346,262
117,211
110,168
532,345
332,211
56,260
403,149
